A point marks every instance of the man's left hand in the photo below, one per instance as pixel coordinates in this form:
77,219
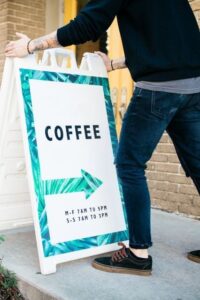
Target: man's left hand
17,48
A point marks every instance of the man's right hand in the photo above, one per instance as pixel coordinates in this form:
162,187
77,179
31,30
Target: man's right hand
106,60
112,65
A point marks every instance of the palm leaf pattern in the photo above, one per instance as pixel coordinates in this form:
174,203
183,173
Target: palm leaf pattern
52,188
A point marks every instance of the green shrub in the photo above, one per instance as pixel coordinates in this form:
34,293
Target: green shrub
8,283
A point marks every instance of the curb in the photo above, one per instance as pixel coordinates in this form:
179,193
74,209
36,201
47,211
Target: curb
31,292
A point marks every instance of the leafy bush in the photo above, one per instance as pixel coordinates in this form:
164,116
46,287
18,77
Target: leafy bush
8,283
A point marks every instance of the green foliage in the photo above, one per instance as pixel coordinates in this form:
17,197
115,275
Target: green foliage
8,285
10,279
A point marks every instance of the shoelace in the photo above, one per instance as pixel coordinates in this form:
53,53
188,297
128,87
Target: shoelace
120,254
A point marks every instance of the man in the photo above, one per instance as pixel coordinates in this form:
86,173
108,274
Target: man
162,48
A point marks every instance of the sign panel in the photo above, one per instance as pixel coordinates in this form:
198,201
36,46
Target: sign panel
15,204
71,140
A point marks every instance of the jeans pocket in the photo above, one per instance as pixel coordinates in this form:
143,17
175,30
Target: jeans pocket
163,105
138,92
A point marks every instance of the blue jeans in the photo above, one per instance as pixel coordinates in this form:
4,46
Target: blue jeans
149,114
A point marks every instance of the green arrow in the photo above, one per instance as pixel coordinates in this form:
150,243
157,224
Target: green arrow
87,183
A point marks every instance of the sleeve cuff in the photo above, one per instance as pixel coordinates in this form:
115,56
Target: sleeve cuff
62,37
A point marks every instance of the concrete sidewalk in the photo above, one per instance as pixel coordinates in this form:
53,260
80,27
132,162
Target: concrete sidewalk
174,277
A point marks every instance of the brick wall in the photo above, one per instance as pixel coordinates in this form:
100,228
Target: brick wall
170,189
24,16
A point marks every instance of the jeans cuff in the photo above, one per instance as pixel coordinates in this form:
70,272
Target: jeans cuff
140,246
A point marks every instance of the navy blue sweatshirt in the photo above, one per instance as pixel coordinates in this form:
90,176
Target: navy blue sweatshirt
161,38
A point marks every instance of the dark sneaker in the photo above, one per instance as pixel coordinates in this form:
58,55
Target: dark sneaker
124,261
194,256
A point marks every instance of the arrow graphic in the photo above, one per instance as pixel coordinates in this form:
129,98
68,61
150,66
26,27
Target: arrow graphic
87,183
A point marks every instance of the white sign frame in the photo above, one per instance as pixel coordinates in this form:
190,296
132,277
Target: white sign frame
50,256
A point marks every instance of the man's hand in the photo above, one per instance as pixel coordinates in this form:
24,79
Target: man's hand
106,60
17,48
111,65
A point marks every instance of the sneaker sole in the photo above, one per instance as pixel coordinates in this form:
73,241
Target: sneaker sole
121,270
193,258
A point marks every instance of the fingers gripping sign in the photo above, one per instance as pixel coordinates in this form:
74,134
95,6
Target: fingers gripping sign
106,60
112,64
19,47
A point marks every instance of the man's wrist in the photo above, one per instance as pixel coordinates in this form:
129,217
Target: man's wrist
30,47
118,64
111,64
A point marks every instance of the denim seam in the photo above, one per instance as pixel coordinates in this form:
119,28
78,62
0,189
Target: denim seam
153,102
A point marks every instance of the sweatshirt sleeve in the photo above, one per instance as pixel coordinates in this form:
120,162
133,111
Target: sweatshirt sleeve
91,22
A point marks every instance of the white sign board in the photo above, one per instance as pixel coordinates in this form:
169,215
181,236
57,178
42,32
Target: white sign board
70,142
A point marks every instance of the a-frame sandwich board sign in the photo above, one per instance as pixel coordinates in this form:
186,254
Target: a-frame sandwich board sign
70,143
